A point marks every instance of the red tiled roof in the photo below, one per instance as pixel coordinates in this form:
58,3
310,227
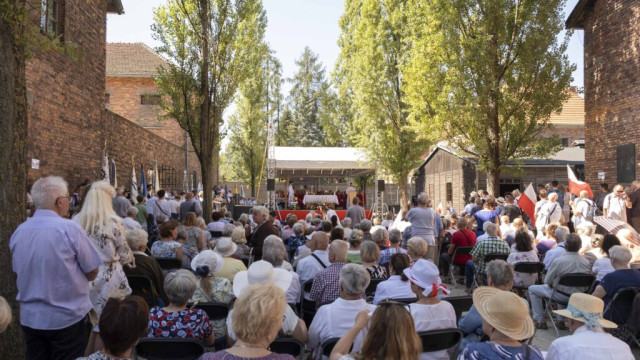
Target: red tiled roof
132,60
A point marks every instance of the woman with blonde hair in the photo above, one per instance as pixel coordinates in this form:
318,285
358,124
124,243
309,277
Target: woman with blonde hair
238,236
391,323
416,249
193,234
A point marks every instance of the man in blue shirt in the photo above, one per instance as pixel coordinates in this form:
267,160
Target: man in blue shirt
54,261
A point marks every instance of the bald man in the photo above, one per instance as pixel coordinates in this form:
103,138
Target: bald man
318,260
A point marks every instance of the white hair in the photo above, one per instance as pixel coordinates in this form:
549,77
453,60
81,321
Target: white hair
346,222
298,229
620,255
553,196
132,210
46,191
180,286
260,210
365,225
561,233
354,279
423,198
273,251
490,228
97,215
136,238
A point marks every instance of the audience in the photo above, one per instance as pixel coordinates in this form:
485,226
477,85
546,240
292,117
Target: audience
318,260
145,264
274,252
336,234
211,288
524,252
264,228
226,248
395,239
287,231
168,247
462,237
130,221
370,254
346,226
492,245
239,238
549,240
416,249
398,285
188,251
194,237
175,320
355,239
325,288
560,234
603,266
365,226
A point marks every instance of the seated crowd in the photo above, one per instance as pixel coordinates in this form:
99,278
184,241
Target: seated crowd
374,285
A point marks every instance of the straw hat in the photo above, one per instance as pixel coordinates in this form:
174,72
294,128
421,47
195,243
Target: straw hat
207,258
261,272
426,275
583,304
225,247
505,311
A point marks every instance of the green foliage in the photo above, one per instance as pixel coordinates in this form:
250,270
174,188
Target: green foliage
371,81
487,75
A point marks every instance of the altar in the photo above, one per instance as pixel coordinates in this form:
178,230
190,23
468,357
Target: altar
317,199
301,214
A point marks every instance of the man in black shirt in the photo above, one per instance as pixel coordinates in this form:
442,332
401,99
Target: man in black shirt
511,210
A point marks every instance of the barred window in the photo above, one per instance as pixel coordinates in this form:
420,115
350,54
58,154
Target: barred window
52,17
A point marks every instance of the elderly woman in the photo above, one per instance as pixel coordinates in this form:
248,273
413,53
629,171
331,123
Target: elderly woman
238,236
416,249
398,285
295,241
226,248
423,220
168,247
145,264
211,288
346,225
370,254
395,239
506,320
524,252
381,238
256,319
175,320
275,253
192,231
603,266
549,240
287,231
365,226
202,225
122,324
355,239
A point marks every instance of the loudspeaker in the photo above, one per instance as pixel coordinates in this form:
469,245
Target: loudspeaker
271,184
380,185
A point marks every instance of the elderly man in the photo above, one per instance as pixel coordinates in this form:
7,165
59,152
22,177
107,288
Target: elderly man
325,284
365,226
274,252
190,204
587,341
263,229
569,263
318,260
550,212
583,209
395,238
491,245
561,234
54,261
130,222
145,264
615,204
120,203
335,319
356,212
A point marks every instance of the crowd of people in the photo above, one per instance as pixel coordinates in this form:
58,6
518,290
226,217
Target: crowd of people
375,284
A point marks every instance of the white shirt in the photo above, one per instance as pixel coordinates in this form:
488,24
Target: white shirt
616,207
585,344
433,317
308,267
131,224
289,323
602,267
151,205
330,213
293,292
216,226
174,205
393,288
162,208
335,319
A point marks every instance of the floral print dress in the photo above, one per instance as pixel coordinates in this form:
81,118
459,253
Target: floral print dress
523,279
165,249
187,323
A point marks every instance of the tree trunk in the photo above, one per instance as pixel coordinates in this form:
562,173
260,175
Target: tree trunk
13,172
404,203
253,186
205,120
493,181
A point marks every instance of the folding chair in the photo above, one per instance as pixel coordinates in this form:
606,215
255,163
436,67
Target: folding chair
288,345
460,250
169,349
326,347
487,259
307,307
404,300
442,339
576,280
460,304
371,289
623,300
169,263
142,286
526,267
216,311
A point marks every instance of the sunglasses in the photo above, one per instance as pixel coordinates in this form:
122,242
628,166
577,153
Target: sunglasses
389,302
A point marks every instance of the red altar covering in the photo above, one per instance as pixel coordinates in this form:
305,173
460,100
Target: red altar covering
300,214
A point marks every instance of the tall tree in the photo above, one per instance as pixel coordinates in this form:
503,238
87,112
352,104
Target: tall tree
369,74
488,74
210,44
311,103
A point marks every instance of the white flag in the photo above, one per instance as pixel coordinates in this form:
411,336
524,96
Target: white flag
156,178
134,183
105,169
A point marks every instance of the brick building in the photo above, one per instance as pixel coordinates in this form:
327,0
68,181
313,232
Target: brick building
69,127
612,87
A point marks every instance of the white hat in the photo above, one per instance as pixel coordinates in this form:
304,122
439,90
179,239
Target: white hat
209,259
225,247
261,272
426,275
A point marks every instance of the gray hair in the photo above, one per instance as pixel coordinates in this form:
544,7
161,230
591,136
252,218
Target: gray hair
572,243
244,217
316,222
369,251
339,249
180,286
346,222
160,219
298,229
46,191
136,238
500,272
354,279
227,230
395,236
273,251
585,228
120,190
380,237
260,210
423,198
238,235
417,246
365,225
356,237
132,210
200,222
620,255
308,218
490,228
552,197
561,233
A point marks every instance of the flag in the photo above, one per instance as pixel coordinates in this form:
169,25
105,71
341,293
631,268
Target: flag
114,179
439,209
236,190
105,169
134,183
527,203
199,188
156,178
143,182
575,185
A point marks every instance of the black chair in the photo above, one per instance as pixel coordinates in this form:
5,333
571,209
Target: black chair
142,286
528,268
169,349
287,345
370,291
460,250
480,278
326,347
438,340
307,307
404,300
576,280
620,307
216,311
169,263
215,234
460,304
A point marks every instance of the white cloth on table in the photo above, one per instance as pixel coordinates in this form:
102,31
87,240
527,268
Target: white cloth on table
320,199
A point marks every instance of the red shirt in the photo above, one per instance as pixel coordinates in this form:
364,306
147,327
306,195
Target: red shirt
459,239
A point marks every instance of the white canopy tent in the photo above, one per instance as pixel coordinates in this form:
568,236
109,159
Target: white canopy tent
321,162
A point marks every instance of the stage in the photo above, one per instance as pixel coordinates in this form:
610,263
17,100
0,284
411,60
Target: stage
282,214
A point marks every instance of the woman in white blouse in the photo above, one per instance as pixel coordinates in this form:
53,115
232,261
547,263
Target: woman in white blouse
398,285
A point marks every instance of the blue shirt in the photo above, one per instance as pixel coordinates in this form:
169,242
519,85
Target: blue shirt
553,254
51,256
492,351
483,216
613,282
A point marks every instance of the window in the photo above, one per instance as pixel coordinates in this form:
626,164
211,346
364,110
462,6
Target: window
149,99
449,192
52,17
565,142
626,162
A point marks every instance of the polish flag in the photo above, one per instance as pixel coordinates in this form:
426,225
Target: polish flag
527,203
575,185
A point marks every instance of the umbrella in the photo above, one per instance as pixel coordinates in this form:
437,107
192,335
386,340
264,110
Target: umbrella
614,226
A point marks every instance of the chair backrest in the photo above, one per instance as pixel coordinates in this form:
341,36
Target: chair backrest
373,284
635,265
462,250
622,301
460,304
287,345
496,256
307,307
405,300
169,348
169,263
577,280
437,340
327,346
142,286
529,267
215,310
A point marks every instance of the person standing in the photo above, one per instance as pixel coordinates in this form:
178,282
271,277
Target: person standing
263,229
356,212
604,191
422,219
54,261
615,204
635,205
190,204
120,203
291,198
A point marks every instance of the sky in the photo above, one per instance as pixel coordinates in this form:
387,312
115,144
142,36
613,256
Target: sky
292,25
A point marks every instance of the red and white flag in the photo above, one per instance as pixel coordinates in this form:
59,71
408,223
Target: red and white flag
527,203
575,185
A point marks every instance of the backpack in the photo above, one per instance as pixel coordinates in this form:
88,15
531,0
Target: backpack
591,210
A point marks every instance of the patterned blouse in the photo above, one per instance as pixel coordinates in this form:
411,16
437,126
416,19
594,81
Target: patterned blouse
377,272
523,279
221,291
165,249
242,252
99,355
188,323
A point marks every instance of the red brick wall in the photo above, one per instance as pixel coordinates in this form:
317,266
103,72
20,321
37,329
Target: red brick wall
612,85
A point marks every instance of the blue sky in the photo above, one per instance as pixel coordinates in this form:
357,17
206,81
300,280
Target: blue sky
293,24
